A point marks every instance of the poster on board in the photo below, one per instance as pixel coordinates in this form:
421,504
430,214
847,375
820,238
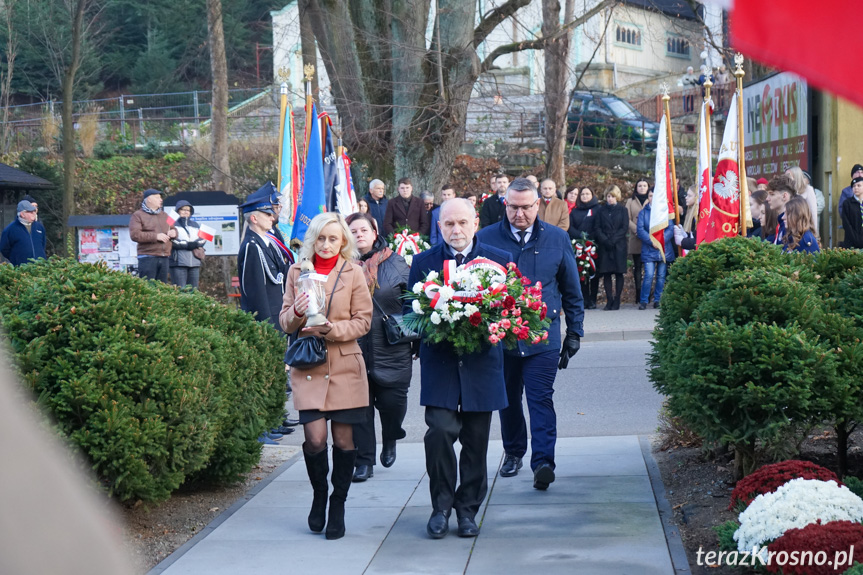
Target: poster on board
775,125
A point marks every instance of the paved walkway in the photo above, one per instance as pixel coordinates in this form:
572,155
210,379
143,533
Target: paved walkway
605,514
600,516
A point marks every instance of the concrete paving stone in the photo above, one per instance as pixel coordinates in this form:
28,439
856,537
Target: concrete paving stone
623,445
299,494
422,496
541,521
569,555
291,523
519,490
346,556
598,465
408,549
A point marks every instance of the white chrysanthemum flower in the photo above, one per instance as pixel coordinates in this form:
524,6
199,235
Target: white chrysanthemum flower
433,275
446,293
470,309
457,304
418,287
418,309
409,259
435,318
457,316
795,505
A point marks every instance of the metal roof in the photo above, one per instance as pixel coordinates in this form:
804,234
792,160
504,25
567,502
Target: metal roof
15,179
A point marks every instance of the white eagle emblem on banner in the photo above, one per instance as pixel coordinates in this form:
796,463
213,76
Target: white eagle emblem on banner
728,186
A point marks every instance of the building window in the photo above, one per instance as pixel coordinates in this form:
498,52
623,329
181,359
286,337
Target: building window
627,34
677,46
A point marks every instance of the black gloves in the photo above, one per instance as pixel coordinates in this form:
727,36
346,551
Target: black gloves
571,345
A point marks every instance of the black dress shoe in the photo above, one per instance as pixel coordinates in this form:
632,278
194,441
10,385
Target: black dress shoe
438,525
284,430
363,472
543,476
642,306
656,305
511,465
288,422
388,453
467,527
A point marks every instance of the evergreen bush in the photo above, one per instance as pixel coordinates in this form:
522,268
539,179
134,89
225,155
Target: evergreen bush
156,387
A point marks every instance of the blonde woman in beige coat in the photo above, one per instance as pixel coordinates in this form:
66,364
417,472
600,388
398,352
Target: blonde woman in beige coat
337,390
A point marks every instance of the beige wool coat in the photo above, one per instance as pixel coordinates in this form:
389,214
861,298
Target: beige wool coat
633,206
554,212
340,382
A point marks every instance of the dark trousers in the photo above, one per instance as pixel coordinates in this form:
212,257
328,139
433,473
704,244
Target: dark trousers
534,376
153,268
182,276
589,289
637,267
609,295
392,405
471,428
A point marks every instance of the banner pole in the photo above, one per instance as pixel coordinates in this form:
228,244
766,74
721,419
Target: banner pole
309,73
665,99
741,159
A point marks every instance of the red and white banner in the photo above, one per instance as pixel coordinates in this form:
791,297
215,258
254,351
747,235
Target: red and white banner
704,181
662,204
825,52
346,199
173,216
205,232
724,220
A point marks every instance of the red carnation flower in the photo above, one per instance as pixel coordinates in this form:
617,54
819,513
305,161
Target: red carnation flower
525,281
534,305
543,313
475,319
509,302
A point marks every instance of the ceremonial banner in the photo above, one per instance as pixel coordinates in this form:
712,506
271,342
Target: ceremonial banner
313,198
703,174
724,218
662,204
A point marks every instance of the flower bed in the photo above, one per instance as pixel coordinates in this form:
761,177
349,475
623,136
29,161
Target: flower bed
770,477
816,549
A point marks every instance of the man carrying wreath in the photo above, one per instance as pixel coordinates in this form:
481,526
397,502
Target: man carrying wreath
542,252
459,392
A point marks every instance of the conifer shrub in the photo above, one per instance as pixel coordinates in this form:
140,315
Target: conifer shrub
156,387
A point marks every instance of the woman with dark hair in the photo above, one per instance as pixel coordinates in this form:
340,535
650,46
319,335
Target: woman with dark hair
581,222
634,206
388,366
610,228
571,198
758,209
336,390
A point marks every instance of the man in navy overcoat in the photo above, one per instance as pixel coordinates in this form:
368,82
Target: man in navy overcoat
544,254
459,392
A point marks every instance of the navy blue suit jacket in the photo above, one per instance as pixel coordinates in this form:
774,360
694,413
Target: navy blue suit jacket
435,236
474,381
547,257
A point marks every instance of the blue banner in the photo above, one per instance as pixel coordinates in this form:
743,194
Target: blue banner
312,197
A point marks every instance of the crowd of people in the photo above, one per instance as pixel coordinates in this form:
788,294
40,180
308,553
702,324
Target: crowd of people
365,373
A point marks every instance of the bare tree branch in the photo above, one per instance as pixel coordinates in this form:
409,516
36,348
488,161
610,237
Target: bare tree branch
540,43
491,20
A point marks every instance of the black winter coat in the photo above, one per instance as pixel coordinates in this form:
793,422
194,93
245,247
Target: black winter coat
610,229
582,219
389,365
852,223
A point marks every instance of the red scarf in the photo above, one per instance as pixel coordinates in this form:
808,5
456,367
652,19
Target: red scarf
325,266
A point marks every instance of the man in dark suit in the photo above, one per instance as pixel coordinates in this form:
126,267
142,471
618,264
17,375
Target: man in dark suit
492,210
406,211
542,253
458,392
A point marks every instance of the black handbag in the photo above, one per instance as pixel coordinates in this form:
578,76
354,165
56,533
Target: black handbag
310,351
394,329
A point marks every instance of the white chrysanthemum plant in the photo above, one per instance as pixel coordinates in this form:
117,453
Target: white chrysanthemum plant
794,505
408,244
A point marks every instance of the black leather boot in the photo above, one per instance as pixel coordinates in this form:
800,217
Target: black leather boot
318,467
343,471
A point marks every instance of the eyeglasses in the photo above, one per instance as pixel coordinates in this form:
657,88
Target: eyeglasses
523,209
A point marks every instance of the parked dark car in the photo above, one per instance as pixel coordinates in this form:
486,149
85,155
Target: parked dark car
600,119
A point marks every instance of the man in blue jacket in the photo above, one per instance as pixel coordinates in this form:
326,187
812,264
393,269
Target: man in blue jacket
24,239
543,253
377,201
459,392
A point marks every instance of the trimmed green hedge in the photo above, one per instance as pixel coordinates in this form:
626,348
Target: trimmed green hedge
752,344
157,387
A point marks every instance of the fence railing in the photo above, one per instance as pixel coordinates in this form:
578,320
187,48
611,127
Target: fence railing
686,102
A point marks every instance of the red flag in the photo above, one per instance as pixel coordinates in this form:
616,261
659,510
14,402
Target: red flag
724,218
662,204
205,232
173,216
825,52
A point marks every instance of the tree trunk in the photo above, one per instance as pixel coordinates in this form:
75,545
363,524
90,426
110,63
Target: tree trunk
744,459
67,248
6,78
219,67
307,43
556,87
842,433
